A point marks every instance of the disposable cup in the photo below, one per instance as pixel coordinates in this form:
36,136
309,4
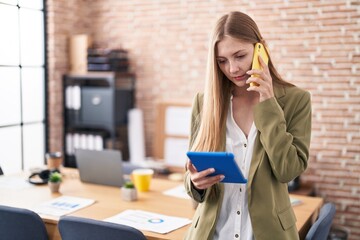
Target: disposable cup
54,160
142,179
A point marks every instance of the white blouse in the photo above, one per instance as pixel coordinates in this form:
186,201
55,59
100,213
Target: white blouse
234,220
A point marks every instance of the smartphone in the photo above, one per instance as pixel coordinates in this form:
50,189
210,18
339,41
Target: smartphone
259,50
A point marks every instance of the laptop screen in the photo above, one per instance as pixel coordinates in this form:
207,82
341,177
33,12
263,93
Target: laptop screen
100,167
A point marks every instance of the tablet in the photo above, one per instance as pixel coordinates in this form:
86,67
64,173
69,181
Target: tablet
223,163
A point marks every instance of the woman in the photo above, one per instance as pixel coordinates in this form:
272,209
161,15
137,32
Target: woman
267,127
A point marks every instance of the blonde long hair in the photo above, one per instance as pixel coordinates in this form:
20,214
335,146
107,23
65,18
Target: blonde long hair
217,87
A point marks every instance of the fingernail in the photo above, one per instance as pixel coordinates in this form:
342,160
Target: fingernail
248,72
222,177
212,170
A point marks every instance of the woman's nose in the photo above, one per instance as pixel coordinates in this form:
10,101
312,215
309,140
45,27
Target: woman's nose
233,67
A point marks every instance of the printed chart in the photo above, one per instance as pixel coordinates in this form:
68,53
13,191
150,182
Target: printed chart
63,205
149,221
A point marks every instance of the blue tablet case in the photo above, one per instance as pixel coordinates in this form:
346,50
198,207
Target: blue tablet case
223,163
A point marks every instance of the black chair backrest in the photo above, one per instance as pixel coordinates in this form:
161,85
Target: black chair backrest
321,227
1,171
76,228
19,223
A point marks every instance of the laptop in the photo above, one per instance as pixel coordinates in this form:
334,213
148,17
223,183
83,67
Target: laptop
100,167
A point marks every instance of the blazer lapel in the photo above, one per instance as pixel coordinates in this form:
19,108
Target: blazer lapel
259,152
279,92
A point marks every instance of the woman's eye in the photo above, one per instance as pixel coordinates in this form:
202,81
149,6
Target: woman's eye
240,56
220,61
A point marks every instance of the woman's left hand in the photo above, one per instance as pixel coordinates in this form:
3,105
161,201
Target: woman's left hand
263,81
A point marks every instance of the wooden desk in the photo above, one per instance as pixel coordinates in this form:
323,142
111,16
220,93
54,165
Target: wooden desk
306,212
109,203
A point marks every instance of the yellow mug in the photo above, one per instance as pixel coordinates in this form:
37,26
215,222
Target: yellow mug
142,179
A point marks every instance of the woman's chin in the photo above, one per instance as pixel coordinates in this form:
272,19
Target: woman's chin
240,84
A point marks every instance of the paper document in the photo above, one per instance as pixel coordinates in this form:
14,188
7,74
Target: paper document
295,201
63,205
14,183
177,121
178,191
149,221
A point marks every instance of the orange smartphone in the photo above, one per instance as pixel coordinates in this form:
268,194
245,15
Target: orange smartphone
259,50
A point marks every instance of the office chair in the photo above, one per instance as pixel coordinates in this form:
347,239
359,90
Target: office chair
19,224
1,171
76,228
321,228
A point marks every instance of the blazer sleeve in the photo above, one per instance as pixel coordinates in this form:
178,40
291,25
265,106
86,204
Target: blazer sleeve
195,121
285,133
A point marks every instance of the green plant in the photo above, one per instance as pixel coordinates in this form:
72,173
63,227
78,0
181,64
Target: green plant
55,177
129,184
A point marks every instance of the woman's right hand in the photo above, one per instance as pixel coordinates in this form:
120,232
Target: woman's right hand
201,180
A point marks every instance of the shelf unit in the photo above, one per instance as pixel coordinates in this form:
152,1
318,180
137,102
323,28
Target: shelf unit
95,112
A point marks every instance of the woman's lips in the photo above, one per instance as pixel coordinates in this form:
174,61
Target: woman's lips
241,78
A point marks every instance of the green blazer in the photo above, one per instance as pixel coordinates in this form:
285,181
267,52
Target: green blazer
280,154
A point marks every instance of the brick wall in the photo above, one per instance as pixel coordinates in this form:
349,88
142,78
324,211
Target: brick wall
61,23
315,44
